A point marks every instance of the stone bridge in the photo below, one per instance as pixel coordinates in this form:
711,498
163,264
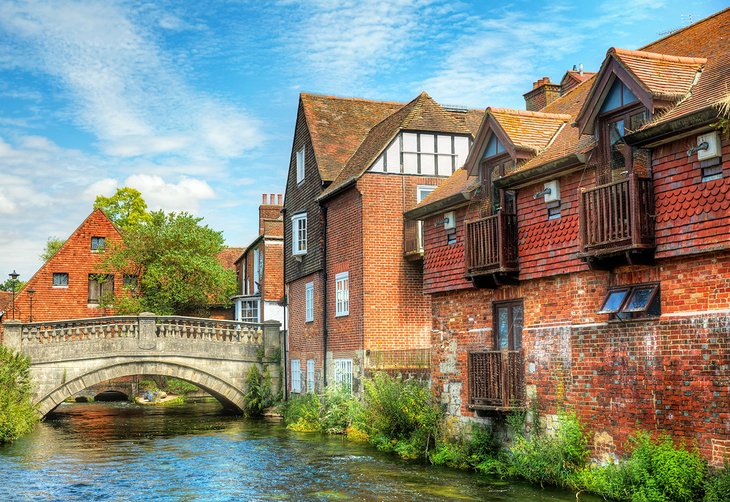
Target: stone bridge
69,356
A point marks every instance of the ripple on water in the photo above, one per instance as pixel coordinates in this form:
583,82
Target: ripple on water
194,452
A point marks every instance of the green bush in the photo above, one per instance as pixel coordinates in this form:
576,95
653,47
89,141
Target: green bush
555,459
717,486
656,471
258,394
334,412
302,413
468,450
17,415
145,385
181,387
400,415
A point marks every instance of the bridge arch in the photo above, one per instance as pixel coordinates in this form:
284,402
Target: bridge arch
228,395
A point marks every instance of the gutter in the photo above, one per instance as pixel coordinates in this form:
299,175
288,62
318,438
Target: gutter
536,173
654,135
337,190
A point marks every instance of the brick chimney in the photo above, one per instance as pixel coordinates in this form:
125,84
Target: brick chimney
270,209
542,94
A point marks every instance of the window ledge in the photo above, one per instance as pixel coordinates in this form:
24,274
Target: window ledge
342,314
59,287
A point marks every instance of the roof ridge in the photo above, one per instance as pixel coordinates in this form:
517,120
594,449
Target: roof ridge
526,113
657,56
348,98
674,33
418,103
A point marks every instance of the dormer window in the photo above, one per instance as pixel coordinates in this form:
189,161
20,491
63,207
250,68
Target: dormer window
619,95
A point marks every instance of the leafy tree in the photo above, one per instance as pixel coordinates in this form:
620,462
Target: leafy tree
126,208
17,414
8,285
53,244
175,259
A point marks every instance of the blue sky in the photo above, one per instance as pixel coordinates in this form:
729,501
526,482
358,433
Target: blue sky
194,103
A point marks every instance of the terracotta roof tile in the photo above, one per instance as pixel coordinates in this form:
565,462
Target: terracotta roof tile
5,298
456,183
337,127
421,114
529,130
228,257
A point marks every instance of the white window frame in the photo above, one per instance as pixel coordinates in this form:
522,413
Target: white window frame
246,309
299,243
309,302
300,165
60,275
342,294
296,376
310,375
343,373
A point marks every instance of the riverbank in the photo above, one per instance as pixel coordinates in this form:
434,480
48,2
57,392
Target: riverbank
198,452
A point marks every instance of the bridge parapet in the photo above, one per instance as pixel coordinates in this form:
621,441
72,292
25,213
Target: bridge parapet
208,329
72,330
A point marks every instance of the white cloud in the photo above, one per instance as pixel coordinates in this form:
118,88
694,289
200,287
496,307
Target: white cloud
105,187
185,195
126,89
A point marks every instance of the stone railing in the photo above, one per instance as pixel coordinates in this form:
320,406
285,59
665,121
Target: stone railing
208,329
80,329
147,328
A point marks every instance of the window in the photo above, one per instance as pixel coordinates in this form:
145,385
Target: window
97,243
300,165
131,283
309,302
60,280
427,153
343,373
249,311
342,294
619,95
553,210
100,285
296,376
711,169
508,322
629,302
299,234
310,375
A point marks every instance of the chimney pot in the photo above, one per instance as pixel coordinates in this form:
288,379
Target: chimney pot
272,198
279,199
263,198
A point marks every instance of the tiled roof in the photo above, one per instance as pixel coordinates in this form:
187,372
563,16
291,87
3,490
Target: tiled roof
664,76
456,183
5,298
337,127
229,256
578,76
421,114
529,130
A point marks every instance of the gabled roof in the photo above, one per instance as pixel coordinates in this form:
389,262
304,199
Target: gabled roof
457,189
229,256
421,114
337,126
576,76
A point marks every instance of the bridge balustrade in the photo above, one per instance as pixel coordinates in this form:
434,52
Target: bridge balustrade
208,329
72,330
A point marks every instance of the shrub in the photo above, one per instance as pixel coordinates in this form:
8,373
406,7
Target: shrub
553,459
717,486
400,415
182,387
258,394
302,413
17,415
656,471
468,449
334,412
145,385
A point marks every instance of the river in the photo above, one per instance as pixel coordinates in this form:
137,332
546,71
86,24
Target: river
119,451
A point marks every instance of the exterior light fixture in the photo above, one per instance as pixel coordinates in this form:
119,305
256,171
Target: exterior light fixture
31,292
14,279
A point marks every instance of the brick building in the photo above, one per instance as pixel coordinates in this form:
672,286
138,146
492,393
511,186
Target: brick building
585,259
352,266
260,268
72,283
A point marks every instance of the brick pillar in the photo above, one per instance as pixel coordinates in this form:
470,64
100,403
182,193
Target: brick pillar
147,331
12,336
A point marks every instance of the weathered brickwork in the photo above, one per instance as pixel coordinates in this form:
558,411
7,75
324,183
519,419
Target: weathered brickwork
77,260
667,374
305,339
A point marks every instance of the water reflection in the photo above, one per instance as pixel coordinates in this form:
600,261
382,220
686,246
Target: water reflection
118,451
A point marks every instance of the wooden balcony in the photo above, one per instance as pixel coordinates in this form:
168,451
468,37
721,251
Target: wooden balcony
496,380
490,249
617,222
413,240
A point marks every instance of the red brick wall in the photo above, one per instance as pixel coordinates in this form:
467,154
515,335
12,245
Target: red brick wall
305,339
691,216
76,259
273,287
396,311
444,265
668,373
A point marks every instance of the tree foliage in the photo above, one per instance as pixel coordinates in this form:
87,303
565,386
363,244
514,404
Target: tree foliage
8,285
175,259
53,244
126,208
17,414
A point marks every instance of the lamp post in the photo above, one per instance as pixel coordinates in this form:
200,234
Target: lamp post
14,278
31,292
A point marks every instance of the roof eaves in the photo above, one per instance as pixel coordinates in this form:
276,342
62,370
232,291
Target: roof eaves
339,188
670,128
536,173
449,202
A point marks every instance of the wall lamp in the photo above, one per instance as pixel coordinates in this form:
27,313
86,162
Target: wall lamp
702,146
542,193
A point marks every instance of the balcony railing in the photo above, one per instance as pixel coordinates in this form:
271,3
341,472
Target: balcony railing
413,239
496,380
617,217
491,244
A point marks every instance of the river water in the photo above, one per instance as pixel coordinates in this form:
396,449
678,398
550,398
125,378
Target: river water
119,451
